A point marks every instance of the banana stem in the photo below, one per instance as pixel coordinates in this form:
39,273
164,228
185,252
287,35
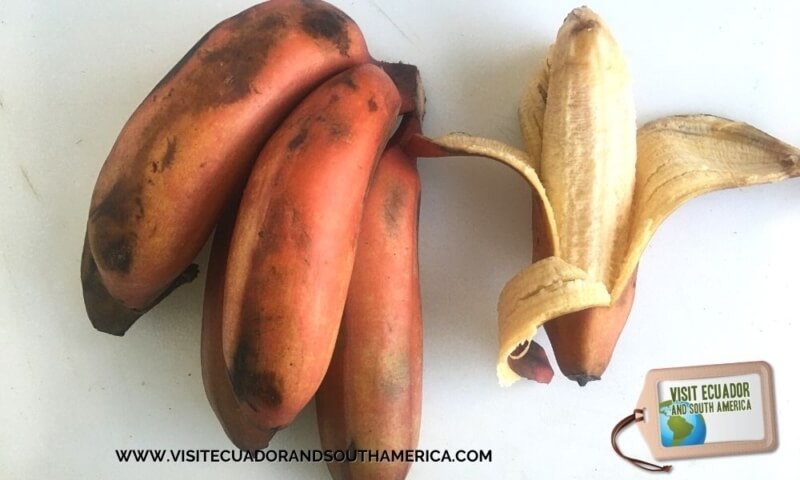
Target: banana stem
407,79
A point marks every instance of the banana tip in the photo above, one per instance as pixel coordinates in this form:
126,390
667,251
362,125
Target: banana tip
582,18
583,378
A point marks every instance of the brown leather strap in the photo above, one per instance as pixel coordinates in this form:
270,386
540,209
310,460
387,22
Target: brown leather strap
636,416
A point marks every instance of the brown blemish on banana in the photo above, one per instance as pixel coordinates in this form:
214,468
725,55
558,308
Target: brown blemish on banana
232,67
169,154
282,219
542,92
106,313
393,207
334,98
102,308
252,385
114,219
397,377
347,79
329,25
298,140
338,129
117,252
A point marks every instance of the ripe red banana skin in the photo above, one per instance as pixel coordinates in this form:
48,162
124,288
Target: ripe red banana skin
371,396
583,342
188,147
294,242
216,382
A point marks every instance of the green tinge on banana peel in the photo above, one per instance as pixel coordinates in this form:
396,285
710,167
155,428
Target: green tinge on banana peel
601,187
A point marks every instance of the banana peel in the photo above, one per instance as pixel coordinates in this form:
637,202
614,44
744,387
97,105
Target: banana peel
601,188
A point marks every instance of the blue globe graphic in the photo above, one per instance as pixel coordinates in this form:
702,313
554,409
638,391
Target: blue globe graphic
680,430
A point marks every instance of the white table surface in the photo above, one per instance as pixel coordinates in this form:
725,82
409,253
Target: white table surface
718,282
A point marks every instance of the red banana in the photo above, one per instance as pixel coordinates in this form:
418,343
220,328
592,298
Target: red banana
294,242
191,143
371,396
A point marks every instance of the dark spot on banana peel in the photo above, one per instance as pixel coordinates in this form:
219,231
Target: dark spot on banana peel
283,223
231,67
346,79
533,364
542,92
228,69
169,154
118,204
393,207
115,219
251,385
329,25
106,313
338,130
298,140
116,252
116,216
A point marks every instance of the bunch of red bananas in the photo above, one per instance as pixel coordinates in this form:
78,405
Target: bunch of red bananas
281,131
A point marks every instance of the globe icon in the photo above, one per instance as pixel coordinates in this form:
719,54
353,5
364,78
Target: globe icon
680,430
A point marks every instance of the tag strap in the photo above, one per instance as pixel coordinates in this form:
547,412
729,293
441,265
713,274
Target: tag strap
636,416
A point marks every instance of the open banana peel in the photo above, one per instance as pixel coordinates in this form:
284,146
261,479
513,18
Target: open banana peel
601,188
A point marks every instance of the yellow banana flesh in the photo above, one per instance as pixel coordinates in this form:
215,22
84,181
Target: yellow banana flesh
531,111
589,145
600,187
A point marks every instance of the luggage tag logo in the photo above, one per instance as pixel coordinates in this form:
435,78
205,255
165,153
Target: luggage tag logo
703,411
